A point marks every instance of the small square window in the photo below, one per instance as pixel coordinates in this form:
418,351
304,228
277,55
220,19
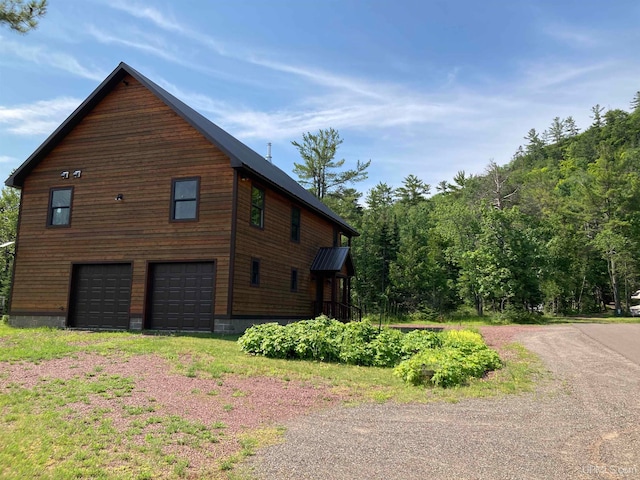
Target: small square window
294,280
255,272
60,207
184,199
295,224
257,207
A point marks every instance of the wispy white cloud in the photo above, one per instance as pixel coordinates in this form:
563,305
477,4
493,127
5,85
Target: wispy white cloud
342,111
573,36
7,159
327,79
167,23
37,118
143,44
317,76
42,55
544,74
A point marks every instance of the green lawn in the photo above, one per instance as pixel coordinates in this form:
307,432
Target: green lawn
44,437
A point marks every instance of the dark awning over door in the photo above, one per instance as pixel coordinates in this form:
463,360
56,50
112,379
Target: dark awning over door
332,259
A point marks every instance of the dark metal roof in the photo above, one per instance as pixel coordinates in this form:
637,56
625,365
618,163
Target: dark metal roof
242,157
332,259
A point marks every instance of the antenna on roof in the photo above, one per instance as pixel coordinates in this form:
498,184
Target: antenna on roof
268,157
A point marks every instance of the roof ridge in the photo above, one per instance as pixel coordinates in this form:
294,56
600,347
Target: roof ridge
240,154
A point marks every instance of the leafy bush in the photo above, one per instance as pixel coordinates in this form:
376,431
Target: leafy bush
355,343
464,340
317,339
447,367
514,314
457,366
420,368
424,315
268,339
444,359
419,340
387,347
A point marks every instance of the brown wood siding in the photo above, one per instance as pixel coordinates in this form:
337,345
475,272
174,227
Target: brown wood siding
130,144
278,255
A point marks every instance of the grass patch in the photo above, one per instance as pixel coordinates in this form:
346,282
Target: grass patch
248,443
594,319
470,320
44,435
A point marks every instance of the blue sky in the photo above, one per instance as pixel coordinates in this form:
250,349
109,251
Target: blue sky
419,87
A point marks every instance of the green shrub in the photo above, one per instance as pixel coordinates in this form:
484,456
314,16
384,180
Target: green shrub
424,315
268,339
447,367
419,340
514,314
251,340
457,366
464,340
356,343
317,339
443,359
387,348
420,368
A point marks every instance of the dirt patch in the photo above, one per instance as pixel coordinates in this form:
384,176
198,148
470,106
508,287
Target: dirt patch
497,336
229,406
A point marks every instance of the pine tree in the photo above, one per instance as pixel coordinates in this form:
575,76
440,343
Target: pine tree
21,16
635,103
597,115
318,171
570,126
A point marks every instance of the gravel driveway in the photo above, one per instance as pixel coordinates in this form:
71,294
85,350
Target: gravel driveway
584,423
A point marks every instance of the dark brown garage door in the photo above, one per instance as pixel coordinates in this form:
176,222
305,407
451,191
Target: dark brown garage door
100,296
181,296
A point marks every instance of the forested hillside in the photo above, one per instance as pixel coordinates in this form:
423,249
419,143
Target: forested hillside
557,228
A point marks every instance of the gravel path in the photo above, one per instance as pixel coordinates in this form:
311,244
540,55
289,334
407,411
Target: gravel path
582,424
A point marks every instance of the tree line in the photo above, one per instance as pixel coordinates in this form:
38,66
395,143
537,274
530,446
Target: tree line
556,229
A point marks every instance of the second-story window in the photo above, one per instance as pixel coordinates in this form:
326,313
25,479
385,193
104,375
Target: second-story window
257,207
184,199
295,224
60,207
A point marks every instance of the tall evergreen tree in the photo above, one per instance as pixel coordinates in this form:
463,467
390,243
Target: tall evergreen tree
597,110
557,130
22,16
413,190
319,171
635,103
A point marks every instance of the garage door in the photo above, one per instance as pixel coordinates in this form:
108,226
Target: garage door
181,296
100,296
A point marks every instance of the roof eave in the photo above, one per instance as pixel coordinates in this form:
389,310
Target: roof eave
238,164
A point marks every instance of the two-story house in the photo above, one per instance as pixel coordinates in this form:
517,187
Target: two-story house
138,212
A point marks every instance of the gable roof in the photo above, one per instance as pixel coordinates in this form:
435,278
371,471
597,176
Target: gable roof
332,259
242,157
